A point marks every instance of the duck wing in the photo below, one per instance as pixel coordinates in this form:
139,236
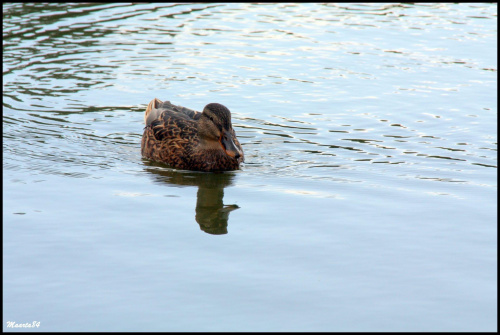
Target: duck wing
174,129
173,125
181,112
158,109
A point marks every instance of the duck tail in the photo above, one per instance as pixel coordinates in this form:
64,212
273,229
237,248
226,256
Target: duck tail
152,111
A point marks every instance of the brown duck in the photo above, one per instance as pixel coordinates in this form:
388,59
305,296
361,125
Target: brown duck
190,140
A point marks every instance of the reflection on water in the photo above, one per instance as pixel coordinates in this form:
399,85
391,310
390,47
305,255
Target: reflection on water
211,213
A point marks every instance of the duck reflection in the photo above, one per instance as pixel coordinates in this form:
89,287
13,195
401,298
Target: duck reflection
211,213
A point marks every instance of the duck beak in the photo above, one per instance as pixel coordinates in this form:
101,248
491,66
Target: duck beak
227,143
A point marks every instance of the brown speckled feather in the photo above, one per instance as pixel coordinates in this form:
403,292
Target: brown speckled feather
172,137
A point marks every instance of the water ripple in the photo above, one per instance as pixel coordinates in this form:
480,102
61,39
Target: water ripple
308,97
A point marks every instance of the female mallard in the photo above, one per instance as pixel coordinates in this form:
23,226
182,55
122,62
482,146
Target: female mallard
189,140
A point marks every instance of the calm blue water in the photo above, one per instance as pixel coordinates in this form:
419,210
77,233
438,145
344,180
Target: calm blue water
367,201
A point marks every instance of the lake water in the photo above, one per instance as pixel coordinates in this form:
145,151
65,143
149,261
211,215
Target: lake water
367,200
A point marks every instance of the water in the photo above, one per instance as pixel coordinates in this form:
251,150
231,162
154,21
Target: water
367,201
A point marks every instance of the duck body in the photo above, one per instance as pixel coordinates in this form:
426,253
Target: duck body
190,140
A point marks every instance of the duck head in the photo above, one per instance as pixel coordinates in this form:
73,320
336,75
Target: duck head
216,130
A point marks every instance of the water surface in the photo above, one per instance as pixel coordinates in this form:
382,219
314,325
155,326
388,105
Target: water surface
367,200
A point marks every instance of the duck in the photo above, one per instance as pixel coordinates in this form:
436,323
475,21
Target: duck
189,140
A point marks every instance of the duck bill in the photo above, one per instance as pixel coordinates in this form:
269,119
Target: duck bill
227,143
